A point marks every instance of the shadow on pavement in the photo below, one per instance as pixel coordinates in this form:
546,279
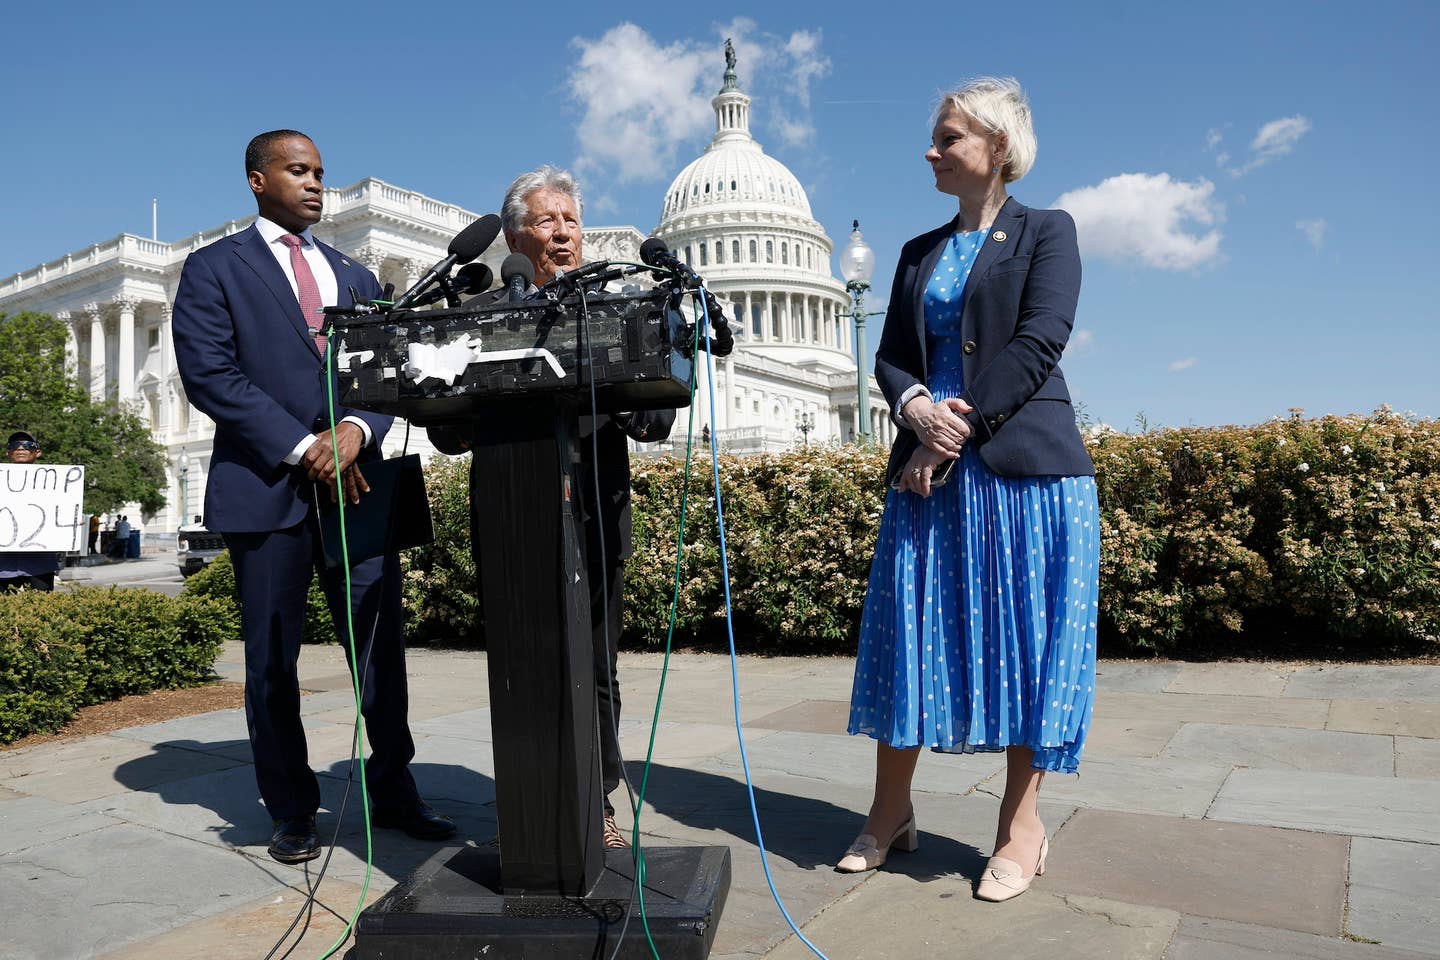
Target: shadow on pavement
806,831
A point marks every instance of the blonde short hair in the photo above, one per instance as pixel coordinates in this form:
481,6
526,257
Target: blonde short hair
999,105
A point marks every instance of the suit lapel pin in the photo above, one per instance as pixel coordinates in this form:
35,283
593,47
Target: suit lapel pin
999,236
344,262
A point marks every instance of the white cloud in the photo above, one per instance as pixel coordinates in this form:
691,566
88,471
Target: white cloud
1278,137
1148,218
786,69
1274,139
1213,136
1082,341
1314,231
643,101
1185,364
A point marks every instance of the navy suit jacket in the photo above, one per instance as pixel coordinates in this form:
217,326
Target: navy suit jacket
248,362
1018,310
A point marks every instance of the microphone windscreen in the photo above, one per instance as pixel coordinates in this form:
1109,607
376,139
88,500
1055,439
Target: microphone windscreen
475,278
472,241
517,265
652,250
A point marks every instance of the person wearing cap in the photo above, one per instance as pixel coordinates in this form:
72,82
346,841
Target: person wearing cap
28,568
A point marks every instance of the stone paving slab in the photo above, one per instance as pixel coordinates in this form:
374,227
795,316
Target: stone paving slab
34,821
1393,891
1231,679
808,716
850,760
1386,807
1128,737
248,932
104,766
1174,787
99,892
203,731
1282,748
220,809
683,741
1353,681
328,683
1201,867
473,724
1417,758
1202,938
1205,708
1136,676
895,918
1374,716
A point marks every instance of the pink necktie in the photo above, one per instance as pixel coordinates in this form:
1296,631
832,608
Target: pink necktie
310,303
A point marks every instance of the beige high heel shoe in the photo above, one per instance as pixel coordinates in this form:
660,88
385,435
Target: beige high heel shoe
1003,879
867,854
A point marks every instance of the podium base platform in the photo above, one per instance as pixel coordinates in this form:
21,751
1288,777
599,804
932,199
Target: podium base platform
452,908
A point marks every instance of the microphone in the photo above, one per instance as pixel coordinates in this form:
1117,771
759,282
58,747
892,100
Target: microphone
471,279
723,343
654,253
517,273
467,245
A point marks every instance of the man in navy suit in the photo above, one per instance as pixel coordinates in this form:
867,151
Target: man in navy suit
247,325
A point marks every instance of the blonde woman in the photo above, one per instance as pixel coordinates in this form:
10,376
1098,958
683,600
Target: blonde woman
979,624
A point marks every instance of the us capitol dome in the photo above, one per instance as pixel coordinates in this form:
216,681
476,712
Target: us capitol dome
741,219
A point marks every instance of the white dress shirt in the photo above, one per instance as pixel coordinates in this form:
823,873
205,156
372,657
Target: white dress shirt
329,287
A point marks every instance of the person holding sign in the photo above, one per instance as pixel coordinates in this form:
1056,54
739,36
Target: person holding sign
35,570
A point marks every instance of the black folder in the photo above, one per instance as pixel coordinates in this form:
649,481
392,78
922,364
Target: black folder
393,516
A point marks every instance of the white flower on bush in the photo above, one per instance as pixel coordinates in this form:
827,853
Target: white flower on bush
1303,468
1380,486
1435,544
1281,442
1345,449
1358,571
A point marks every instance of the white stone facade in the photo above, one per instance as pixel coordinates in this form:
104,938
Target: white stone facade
738,216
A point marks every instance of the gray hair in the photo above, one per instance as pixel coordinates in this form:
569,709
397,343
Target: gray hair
513,210
999,105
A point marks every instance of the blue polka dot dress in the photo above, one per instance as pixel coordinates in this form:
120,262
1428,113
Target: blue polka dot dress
979,623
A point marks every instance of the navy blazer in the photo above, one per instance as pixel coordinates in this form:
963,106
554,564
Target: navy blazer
1017,311
249,363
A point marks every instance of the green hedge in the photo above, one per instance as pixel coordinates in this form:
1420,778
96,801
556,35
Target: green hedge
63,651
1297,537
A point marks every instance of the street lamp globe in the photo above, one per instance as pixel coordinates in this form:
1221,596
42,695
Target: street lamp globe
857,260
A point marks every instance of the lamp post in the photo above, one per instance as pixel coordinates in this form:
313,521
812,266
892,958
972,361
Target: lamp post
184,487
857,266
804,423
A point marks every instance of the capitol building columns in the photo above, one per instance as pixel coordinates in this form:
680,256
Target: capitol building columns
97,350
125,356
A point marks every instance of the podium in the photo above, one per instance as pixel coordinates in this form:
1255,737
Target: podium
551,890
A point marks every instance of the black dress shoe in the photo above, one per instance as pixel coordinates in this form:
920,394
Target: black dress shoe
295,840
420,821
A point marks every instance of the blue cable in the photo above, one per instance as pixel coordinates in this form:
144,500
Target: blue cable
730,631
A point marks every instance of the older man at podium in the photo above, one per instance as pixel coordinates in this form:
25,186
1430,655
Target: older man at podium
541,215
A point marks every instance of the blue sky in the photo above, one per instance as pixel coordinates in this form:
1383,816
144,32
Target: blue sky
1254,182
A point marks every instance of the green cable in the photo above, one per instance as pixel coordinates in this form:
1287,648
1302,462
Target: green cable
665,665
355,665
